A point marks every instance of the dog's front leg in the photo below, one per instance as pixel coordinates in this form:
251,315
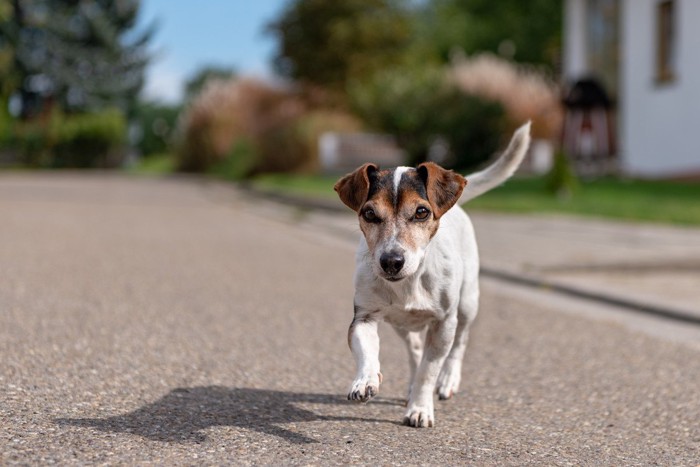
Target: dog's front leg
364,344
438,340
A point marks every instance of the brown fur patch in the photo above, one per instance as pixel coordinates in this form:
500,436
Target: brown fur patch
444,186
353,188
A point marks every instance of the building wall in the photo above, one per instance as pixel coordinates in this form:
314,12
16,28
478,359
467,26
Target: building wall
575,64
660,122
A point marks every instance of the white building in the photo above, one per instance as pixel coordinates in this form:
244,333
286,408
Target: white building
647,54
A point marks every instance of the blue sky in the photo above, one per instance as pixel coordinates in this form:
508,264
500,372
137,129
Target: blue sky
192,34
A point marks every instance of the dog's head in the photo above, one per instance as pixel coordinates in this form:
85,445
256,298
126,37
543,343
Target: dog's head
399,211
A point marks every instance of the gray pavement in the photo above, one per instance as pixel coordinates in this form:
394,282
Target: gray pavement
649,265
184,322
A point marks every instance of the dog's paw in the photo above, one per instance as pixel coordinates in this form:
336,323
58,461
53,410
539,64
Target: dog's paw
365,387
448,381
419,417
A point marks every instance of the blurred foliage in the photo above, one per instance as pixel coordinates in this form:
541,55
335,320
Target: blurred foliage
238,163
154,164
293,147
9,78
525,92
332,43
93,140
327,43
388,60
196,83
81,55
157,124
227,111
243,126
70,71
561,179
90,140
6,124
420,108
524,31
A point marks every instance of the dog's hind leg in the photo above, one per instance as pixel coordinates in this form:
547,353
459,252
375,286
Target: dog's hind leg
451,373
414,345
438,339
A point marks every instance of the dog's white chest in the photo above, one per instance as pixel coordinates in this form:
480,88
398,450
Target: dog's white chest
411,306
416,298
412,319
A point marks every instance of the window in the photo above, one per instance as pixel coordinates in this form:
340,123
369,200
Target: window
665,41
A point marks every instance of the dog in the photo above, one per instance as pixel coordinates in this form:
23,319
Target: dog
417,268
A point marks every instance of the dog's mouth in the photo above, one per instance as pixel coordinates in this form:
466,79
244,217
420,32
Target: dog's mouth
393,278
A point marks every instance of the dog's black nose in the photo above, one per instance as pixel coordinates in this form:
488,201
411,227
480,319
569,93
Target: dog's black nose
392,262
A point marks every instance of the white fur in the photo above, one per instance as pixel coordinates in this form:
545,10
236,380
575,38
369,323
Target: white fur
440,296
502,169
398,173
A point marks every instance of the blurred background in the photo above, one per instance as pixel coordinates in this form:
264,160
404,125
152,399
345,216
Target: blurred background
289,94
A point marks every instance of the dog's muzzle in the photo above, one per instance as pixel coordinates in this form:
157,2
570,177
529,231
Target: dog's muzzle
392,262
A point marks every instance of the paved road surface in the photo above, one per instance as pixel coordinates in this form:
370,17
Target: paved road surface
176,322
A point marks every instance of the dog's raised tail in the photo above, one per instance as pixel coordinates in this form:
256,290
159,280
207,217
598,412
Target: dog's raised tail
480,182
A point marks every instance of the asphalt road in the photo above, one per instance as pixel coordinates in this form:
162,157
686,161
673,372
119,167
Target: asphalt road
177,322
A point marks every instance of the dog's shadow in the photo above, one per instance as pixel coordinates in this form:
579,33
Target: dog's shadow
183,414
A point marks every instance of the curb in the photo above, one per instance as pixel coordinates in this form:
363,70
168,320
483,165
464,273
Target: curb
621,302
310,203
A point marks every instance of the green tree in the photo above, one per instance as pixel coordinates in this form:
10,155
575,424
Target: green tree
525,31
423,111
83,54
330,43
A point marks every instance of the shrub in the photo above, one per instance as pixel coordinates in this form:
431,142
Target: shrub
227,111
6,123
239,163
75,141
90,140
32,141
157,125
294,147
524,93
421,109
269,129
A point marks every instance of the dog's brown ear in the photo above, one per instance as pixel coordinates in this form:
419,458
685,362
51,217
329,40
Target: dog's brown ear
444,187
354,187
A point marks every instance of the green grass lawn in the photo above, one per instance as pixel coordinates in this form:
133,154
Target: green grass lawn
634,200
638,200
157,164
309,185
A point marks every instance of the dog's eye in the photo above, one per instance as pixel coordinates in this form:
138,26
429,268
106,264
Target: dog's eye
422,213
370,215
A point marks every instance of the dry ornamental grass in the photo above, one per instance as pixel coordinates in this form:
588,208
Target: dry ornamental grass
279,125
525,93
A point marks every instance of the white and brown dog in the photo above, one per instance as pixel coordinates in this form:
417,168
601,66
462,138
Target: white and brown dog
417,267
